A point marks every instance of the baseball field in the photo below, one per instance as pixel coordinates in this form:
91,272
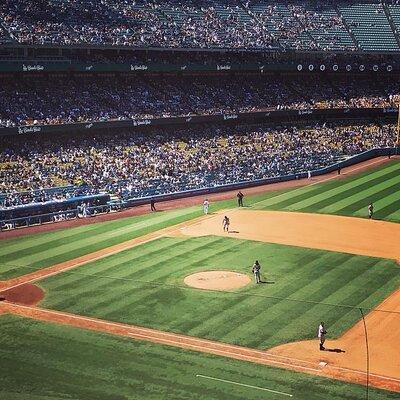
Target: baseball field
164,305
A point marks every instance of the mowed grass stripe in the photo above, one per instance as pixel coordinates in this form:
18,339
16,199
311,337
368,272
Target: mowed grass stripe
157,273
302,194
168,293
389,210
379,205
341,274
354,276
362,200
101,273
20,246
43,256
29,242
344,194
245,329
239,308
312,266
76,364
112,264
298,273
395,216
109,236
329,198
149,270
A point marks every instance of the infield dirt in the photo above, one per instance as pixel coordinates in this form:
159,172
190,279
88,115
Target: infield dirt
345,234
334,233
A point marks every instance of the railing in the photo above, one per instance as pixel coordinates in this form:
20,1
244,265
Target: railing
59,216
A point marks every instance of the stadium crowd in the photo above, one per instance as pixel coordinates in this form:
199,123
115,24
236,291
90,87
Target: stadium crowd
173,23
137,165
62,99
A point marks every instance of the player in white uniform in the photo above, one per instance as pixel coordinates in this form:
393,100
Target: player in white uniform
370,211
321,335
206,205
256,271
225,224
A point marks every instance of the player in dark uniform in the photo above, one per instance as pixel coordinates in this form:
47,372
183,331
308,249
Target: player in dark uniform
240,196
152,204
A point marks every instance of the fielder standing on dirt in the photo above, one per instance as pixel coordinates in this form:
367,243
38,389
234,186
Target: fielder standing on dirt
321,335
225,224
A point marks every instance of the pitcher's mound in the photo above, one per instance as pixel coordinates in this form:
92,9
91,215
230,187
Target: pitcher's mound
217,280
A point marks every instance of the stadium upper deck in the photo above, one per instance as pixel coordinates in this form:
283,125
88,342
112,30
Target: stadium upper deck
367,26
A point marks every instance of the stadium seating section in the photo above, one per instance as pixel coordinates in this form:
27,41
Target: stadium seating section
166,161
251,24
61,99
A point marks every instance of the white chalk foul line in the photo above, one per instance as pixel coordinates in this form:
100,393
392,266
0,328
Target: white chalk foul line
146,336
243,384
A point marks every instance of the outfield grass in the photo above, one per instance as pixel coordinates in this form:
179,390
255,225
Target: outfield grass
41,361
351,196
346,197
144,286
139,286
20,256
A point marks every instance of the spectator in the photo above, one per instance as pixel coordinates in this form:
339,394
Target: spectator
159,162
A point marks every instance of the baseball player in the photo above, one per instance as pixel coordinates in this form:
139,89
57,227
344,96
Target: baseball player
152,204
240,196
321,336
206,205
370,211
256,271
225,224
